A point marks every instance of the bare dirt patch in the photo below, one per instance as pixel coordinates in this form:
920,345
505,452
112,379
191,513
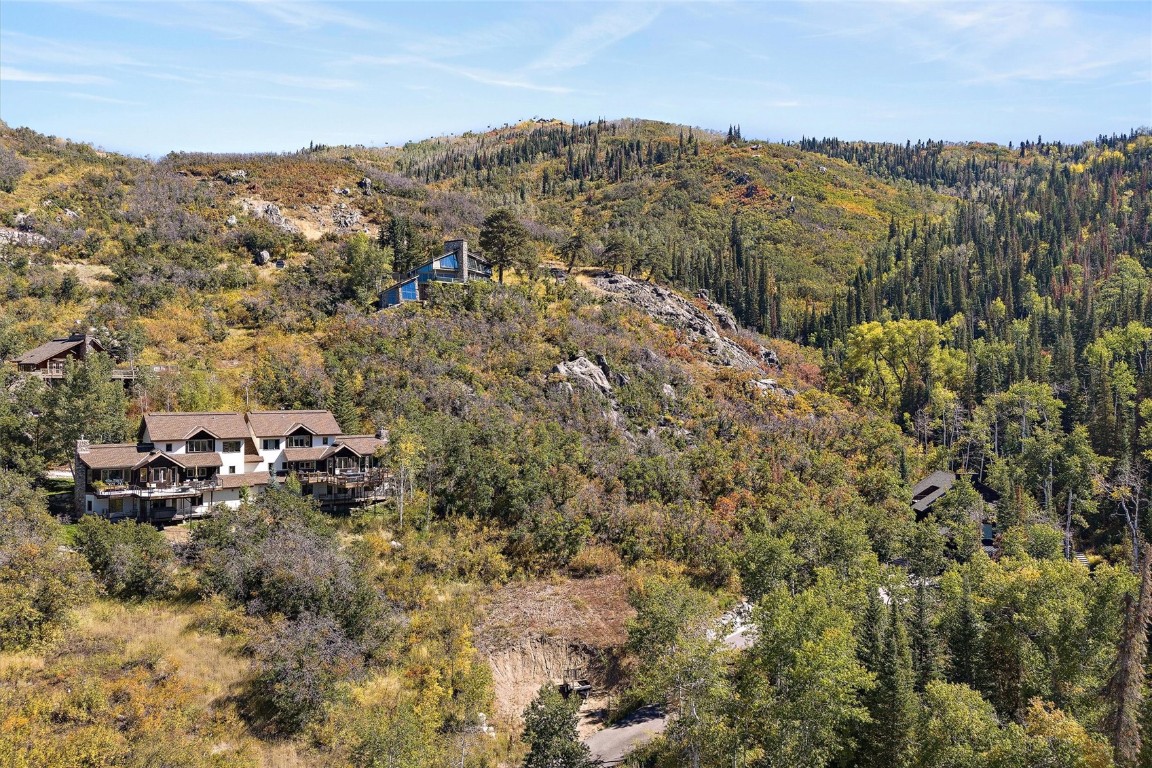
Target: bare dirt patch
533,633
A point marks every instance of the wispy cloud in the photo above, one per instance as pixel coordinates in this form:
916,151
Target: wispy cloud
308,15
14,75
299,81
482,76
983,43
103,99
589,40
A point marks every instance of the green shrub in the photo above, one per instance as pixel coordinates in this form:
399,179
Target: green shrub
129,560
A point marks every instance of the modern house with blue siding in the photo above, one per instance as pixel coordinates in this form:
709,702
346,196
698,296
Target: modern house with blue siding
456,265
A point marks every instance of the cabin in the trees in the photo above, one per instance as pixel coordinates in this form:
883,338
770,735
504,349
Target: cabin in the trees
183,464
932,488
456,265
49,361
929,490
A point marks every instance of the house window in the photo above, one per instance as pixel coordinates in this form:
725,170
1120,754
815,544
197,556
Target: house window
201,446
326,440
300,441
89,505
271,444
284,466
231,470
168,447
231,446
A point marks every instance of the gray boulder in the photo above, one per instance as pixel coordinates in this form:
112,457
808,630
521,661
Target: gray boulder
672,309
585,373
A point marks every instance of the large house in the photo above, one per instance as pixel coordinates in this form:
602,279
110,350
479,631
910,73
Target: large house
183,464
49,361
456,265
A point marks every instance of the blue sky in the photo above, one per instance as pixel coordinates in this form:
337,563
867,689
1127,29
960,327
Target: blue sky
150,77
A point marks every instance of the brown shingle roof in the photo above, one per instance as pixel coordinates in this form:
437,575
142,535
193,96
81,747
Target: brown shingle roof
363,445
306,454
196,459
280,423
114,456
54,348
181,426
246,480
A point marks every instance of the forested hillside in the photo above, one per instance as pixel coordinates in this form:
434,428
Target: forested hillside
895,309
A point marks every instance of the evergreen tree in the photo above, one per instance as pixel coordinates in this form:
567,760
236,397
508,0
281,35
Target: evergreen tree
892,703
1125,690
503,240
923,639
87,403
341,404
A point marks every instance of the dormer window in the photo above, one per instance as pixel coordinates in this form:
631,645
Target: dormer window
200,446
300,441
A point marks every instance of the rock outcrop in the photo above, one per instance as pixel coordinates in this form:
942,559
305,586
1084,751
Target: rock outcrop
270,212
344,216
674,310
10,236
585,373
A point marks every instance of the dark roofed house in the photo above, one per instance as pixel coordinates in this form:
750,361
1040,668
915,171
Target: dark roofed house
456,265
49,361
929,490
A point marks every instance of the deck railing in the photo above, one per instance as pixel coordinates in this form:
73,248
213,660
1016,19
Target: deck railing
113,488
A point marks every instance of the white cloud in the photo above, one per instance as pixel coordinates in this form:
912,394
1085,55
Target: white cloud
589,40
300,81
482,76
14,75
103,99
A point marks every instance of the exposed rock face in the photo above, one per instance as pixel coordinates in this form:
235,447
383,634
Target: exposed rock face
519,671
270,212
585,373
765,386
674,310
9,236
233,177
344,216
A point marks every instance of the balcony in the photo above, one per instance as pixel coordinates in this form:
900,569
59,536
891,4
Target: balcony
345,478
111,489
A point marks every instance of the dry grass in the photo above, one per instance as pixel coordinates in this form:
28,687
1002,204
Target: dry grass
211,665
588,611
208,661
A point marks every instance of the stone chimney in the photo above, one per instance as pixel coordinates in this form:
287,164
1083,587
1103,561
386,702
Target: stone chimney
460,248
80,478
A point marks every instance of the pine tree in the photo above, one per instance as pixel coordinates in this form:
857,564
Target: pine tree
964,643
341,404
1125,690
892,704
923,640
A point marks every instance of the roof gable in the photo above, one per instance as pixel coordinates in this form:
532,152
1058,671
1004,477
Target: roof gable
58,348
162,427
284,423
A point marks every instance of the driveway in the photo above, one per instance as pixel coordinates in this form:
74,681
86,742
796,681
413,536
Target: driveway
610,745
